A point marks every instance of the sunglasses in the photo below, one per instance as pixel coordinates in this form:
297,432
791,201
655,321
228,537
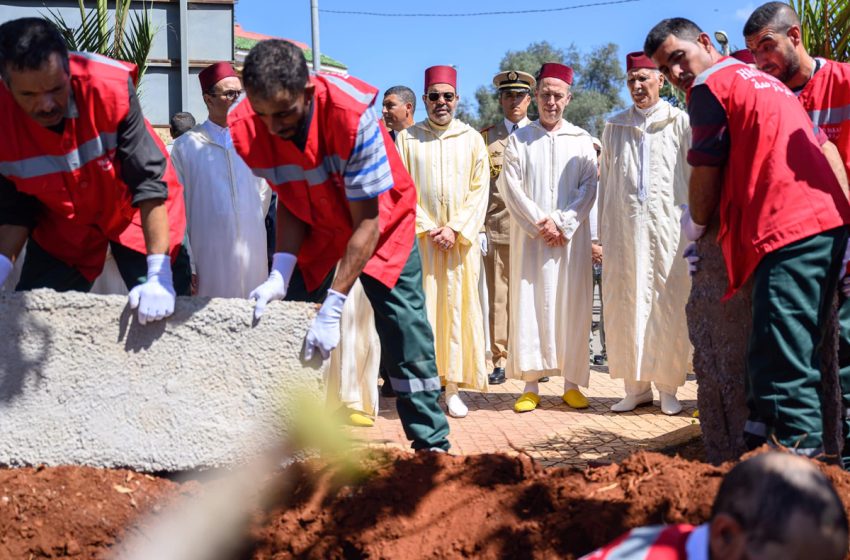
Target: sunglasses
434,96
230,95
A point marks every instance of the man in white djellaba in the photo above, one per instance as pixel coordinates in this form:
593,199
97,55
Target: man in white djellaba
225,203
643,183
548,182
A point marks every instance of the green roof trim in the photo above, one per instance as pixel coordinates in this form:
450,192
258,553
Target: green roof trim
246,44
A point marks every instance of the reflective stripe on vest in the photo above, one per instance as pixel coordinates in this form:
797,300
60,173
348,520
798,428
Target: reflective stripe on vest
289,173
359,96
832,115
40,166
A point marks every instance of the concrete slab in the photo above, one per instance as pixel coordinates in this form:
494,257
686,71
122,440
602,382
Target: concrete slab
82,382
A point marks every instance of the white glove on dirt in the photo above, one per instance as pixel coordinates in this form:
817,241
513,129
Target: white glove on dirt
277,283
155,298
690,255
691,229
485,245
5,269
323,335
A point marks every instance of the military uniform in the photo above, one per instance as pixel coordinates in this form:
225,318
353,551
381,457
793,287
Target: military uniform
497,226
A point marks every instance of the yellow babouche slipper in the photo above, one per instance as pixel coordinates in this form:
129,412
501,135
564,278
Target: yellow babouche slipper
359,419
527,402
575,399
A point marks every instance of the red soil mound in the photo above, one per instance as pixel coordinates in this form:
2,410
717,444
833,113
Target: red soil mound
431,506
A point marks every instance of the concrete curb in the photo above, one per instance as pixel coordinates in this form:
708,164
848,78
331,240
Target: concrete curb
82,382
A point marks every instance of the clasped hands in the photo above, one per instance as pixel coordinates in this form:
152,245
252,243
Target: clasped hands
443,237
548,230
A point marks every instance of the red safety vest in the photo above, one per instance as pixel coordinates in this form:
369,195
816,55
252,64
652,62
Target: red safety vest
657,542
826,98
76,176
310,183
778,187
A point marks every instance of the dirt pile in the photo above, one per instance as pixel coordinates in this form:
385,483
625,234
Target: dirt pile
432,506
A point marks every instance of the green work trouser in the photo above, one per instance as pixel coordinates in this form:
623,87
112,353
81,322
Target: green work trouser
793,289
43,270
407,344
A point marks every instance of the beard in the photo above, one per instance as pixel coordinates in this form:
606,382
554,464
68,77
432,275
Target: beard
792,64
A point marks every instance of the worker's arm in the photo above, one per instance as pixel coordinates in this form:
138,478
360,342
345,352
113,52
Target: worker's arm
17,218
361,246
710,145
367,174
143,166
704,193
12,240
289,235
155,226
143,163
837,164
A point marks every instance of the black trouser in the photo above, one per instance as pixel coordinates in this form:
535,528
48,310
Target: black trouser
43,270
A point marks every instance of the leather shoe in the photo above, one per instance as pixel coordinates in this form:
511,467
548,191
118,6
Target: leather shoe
631,402
497,377
543,379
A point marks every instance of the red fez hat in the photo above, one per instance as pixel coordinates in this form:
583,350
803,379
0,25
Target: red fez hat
637,60
440,75
215,73
745,56
555,70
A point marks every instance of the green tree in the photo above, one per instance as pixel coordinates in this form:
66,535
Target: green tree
596,89
596,86
129,39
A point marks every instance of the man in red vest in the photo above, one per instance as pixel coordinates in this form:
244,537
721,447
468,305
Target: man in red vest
80,169
775,37
344,200
773,33
757,161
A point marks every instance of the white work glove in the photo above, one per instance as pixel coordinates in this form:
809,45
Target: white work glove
155,298
691,229
5,268
482,241
323,335
690,255
275,287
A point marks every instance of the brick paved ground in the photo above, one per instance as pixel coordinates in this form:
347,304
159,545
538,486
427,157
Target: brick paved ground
554,434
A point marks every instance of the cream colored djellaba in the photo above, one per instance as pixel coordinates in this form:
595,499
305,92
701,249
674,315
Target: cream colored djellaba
450,169
351,378
643,182
549,174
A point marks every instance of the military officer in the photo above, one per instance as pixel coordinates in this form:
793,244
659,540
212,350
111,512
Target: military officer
514,89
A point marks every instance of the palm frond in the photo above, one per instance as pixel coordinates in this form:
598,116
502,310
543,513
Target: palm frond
122,7
826,27
138,42
130,38
85,37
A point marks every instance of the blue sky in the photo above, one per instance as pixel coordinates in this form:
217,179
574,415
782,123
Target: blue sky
387,51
